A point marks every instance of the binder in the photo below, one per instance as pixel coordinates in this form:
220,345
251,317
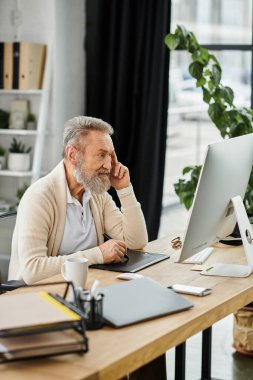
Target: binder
32,62
1,65
16,54
8,65
35,324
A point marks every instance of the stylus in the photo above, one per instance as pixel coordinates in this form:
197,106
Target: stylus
126,257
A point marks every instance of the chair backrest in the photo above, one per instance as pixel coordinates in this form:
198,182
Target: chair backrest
7,223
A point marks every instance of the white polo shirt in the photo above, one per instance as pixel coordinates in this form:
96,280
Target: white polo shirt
79,230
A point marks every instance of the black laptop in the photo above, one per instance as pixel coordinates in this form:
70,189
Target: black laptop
137,260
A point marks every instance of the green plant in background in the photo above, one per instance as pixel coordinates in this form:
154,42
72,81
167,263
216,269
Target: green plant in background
18,147
4,119
31,117
21,190
229,119
2,151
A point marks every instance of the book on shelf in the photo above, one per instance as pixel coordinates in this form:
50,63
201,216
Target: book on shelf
33,312
1,65
8,65
31,65
16,63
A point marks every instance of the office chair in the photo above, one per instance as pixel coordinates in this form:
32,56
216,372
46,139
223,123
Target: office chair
7,223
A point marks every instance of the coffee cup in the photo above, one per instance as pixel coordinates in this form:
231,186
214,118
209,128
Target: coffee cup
75,269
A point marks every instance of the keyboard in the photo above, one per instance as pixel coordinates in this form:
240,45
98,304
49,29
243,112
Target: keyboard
200,257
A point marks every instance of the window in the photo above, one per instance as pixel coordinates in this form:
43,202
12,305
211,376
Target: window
225,28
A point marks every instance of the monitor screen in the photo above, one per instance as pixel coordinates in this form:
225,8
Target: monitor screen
224,175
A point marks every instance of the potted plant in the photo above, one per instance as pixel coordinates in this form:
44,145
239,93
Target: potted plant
2,157
231,121
19,156
31,121
4,119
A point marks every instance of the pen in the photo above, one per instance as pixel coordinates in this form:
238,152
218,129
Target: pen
94,289
126,257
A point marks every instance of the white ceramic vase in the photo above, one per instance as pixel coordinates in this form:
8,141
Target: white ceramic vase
19,161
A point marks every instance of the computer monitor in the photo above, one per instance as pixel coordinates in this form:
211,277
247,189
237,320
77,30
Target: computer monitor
224,177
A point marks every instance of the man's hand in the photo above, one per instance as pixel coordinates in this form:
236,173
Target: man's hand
119,175
113,251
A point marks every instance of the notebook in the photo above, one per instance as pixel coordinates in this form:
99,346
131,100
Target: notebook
33,311
138,300
137,260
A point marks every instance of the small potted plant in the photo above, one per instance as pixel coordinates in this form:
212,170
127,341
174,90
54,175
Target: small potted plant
19,156
31,121
4,119
2,157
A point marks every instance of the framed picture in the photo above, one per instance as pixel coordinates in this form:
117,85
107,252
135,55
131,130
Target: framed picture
18,114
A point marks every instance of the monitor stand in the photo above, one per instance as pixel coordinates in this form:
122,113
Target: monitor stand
237,270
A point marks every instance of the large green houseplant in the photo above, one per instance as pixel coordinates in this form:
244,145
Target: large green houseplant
229,119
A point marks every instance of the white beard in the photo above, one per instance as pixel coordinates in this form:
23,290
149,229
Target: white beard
92,182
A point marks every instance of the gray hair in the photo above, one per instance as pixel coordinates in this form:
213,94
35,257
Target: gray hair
80,126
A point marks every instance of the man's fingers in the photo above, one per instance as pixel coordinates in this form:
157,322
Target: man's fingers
113,250
114,158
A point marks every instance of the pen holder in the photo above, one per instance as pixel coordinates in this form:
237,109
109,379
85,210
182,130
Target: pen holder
93,310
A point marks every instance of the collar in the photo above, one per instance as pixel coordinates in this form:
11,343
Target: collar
71,199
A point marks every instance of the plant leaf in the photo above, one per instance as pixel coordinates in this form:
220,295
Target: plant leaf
206,95
196,70
216,73
214,111
172,41
201,82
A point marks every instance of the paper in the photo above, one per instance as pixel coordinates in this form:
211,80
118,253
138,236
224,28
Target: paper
200,267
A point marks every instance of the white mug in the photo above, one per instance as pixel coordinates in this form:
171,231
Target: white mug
75,269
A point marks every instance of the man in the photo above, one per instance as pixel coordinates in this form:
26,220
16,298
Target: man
67,212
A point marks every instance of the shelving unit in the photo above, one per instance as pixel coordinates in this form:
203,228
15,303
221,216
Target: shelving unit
39,101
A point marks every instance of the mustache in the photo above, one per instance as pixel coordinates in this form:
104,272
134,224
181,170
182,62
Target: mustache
104,171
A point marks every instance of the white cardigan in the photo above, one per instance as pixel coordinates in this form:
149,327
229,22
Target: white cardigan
40,224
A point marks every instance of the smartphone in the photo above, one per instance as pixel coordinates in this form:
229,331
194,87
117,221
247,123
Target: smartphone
194,290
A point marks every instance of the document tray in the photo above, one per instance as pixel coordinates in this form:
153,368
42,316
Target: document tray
38,324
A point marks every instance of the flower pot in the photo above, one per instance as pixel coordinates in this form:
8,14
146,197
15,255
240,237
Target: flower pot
19,161
243,330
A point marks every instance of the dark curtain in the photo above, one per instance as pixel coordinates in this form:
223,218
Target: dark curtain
127,86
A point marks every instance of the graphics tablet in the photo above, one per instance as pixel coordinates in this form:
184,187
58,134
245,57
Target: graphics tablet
137,260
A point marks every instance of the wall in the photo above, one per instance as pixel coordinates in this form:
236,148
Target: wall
61,24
